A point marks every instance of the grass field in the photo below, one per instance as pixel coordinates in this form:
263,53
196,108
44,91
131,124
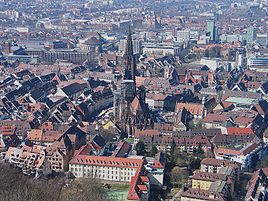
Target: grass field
118,192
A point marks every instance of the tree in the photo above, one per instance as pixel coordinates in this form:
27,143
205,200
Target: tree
172,154
198,151
179,177
181,161
199,124
172,147
153,151
88,189
261,163
17,187
194,163
140,148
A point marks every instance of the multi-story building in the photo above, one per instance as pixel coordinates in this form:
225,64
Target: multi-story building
244,154
258,62
251,35
215,180
183,36
162,49
241,58
136,46
186,141
31,160
201,195
197,110
214,165
113,169
212,30
209,181
74,56
105,168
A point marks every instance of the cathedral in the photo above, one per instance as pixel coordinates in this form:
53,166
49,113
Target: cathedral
130,110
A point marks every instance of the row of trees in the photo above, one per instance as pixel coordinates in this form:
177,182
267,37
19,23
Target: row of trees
141,150
16,187
182,164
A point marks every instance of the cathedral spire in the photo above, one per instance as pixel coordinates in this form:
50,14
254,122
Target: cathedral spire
130,63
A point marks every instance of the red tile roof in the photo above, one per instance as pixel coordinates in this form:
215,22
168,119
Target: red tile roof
193,108
148,132
215,118
202,195
145,179
219,162
135,105
239,131
7,130
142,187
106,161
243,152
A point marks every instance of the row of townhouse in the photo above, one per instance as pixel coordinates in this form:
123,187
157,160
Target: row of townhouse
186,141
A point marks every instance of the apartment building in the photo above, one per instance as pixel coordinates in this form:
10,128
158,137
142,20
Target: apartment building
214,165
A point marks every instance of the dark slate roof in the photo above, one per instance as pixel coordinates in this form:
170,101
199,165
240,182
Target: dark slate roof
242,86
210,103
73,89
76,131
205,68
264,105
15,103
48,77
78,69
13,95
23,73
12,141
99,140
38,94
232,140
95,83
28,85
62,77
207,132
264,87
52,104
6,80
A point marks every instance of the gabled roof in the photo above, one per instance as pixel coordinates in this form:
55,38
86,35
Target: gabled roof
135,105
242,152
203,194
258,178
193,108
147,132
74,88
264,87
216,162
239,131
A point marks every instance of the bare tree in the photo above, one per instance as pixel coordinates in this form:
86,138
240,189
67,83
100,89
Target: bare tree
16,187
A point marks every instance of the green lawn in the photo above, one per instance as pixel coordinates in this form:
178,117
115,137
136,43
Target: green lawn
118,192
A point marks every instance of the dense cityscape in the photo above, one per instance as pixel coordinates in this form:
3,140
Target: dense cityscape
124,100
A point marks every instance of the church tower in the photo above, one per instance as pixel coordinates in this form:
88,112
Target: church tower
129,80
129,59
130,109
